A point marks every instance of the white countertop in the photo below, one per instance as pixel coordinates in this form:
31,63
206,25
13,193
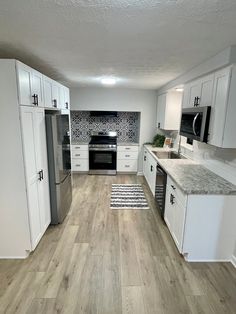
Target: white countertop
192,177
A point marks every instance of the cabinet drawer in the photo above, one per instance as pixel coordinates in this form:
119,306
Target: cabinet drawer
80,154
79,164
127,148
79,147
176,191
127,155
127,165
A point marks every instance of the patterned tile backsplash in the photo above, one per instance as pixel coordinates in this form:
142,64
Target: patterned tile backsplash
126,124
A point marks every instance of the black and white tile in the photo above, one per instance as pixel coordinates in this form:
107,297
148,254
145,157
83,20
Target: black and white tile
126,124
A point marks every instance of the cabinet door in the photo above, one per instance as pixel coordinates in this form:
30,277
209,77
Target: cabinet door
32,177
168,214
47,88
41,159
186,95
194,91
178,223
206,90
219,107
62,97
55,94
151,173
37,88
145,163
67,97
24,84
161,103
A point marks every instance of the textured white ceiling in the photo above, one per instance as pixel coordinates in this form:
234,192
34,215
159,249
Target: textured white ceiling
145,43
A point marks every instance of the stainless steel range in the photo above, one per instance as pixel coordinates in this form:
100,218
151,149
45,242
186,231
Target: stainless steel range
102,153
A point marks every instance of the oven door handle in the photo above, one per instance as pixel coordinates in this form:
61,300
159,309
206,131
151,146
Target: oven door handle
194,123
103,149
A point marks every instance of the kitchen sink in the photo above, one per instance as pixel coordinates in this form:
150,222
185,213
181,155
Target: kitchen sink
168,155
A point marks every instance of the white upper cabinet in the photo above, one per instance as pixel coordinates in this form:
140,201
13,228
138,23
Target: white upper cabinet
218,91
55,94
24,84
61,97
64,97
37,88
198,92
169,111
30,86
67,98
51,93
223,112
47,88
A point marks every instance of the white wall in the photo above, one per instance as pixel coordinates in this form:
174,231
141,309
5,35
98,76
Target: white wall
120,99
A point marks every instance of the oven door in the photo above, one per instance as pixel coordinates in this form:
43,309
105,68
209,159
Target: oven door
102,161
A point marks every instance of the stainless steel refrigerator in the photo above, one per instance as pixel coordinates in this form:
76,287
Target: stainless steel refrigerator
59,165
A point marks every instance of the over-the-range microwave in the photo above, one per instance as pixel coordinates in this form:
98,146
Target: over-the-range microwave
195,123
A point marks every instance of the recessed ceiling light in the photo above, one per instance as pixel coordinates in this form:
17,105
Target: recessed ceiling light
179,89
108,81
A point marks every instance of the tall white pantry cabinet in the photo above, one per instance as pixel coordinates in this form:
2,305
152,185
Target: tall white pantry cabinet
24,192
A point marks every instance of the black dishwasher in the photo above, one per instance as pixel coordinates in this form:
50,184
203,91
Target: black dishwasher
160,189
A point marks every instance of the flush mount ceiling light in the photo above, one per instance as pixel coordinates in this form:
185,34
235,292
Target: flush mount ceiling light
108,81
179,89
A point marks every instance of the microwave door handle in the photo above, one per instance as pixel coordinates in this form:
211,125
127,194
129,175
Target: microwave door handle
194,122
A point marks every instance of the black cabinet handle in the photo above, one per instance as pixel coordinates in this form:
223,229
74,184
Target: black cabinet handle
151,168
67,105
35,99
145,158
159,125
172,199
40,175
196,101
54,103
173,187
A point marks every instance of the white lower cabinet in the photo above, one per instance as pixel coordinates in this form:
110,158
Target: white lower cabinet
149,170
80,158
202,226
127,158
35,159
174,216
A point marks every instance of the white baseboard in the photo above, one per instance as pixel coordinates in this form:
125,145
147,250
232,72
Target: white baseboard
207,260
233,260
14,257
140,173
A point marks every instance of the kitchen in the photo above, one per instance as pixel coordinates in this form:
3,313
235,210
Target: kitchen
94,257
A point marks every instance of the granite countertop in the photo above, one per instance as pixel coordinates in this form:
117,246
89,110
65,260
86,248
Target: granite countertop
192,177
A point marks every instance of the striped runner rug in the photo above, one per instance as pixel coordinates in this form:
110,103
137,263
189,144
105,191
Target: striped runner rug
128,196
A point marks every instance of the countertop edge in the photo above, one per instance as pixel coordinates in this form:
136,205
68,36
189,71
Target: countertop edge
190,161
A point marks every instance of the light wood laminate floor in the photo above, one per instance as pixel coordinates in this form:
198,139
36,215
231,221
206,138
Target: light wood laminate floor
112,261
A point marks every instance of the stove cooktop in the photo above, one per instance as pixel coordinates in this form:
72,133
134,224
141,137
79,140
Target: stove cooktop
103,138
